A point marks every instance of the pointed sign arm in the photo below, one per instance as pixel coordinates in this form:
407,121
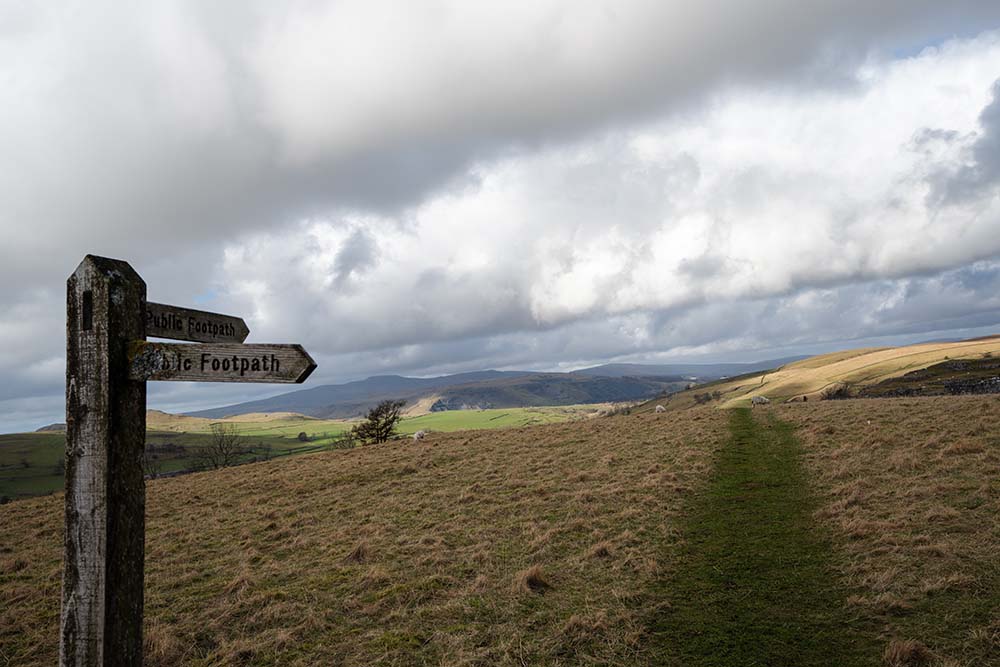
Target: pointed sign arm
219,362
176,323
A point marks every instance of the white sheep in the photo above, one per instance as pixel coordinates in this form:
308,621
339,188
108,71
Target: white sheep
759,400
419,435
660,408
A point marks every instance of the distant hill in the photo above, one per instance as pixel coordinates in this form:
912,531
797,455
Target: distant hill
52,427
553,389
334,401
610,383
884,371
484,389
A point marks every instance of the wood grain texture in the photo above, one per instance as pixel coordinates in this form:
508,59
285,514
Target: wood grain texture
176,323
222,362
102,597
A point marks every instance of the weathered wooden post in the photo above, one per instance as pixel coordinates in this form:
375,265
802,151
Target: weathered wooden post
108,362
102,599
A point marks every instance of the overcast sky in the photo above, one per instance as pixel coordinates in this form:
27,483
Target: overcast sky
431,187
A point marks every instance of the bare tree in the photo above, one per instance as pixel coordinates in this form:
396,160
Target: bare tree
380,424
152,465
225,447
266,451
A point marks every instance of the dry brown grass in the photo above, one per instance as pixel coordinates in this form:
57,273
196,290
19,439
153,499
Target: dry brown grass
912,487
397,554
907,653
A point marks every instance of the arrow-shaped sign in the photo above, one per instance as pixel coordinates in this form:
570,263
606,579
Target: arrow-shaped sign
222,362
178,323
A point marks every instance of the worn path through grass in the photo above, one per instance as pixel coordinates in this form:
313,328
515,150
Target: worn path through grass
754,583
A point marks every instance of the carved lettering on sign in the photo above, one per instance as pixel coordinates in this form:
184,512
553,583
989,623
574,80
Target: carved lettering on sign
194,325
220,363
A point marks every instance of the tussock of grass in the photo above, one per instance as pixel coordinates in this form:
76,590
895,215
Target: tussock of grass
531,580
359,554
912,489
250,566
907,653
602,549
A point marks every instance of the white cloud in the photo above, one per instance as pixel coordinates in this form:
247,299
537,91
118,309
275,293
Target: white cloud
764,194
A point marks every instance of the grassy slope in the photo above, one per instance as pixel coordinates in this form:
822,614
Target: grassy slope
912,489
400,554
810,377
417,553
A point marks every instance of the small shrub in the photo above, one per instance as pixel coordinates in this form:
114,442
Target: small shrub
380,424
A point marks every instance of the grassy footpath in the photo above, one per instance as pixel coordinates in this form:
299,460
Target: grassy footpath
754,585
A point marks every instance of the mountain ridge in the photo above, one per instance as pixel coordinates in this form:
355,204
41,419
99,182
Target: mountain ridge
490,389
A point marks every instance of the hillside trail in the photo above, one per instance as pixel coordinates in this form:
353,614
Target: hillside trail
753,582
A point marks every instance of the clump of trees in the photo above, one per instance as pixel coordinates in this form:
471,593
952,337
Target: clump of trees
381,422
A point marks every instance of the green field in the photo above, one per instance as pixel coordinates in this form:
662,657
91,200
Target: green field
467,420
30,463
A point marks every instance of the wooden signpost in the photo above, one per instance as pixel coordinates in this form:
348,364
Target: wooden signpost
108,362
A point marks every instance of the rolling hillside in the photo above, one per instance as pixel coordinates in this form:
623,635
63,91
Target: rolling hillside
849,533
847,372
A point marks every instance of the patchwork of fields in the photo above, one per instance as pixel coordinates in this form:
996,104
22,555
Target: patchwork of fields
822,533
31,463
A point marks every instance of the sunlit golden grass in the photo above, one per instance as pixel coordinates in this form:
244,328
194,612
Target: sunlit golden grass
912,489
809,378
512,547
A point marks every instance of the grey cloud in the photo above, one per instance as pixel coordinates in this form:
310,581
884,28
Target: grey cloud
171,135
984,172
357,254
977,176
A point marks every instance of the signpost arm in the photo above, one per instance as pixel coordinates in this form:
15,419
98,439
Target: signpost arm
102,598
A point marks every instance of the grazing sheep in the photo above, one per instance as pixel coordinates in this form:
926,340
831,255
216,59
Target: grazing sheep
759,400
419,435
660,408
